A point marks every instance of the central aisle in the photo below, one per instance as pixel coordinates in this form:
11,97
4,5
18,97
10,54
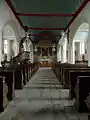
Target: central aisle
42,99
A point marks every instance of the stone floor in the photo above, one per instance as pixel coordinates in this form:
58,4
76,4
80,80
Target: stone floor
42,99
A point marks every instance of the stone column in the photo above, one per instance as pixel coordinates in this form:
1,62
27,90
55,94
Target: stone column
82,44
78,51
88,49
58,53
70,52
16,47
73,53
8,50
65,52
31,54
1,48
82,49
61,54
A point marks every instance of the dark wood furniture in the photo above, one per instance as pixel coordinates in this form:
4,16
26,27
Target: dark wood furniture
82,92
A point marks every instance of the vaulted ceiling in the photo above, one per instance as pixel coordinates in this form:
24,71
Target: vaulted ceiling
46,15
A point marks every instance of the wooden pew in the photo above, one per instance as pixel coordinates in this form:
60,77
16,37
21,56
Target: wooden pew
8,73
17,73
82,92
18,83
65,76
5,90
1,94
66,67
13,79
73,75
23,73
23,68
60,70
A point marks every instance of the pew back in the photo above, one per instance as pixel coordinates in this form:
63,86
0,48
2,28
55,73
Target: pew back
66,75
59,69
82,92
73,75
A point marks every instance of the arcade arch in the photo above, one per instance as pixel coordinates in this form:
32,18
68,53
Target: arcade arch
79,44
9,43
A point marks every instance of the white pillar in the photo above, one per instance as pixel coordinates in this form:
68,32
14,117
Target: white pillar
58,53
15,47
61,54
73,53
31,53
82,47
70,52
77,57
78,50
65,52
88,49
8,50
1,47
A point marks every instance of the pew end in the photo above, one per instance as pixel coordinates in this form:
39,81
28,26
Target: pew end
82,92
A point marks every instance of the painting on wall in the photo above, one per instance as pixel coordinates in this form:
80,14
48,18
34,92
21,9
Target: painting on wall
44,51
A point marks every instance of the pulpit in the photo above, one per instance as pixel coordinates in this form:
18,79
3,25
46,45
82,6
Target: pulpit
24,56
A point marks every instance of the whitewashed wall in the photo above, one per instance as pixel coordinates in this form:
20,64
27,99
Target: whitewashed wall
84,16
7,18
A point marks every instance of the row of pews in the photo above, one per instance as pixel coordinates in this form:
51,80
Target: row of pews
76,78
14,77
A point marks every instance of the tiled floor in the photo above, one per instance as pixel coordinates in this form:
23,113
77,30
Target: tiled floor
42,99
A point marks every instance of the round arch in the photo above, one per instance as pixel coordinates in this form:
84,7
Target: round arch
79,43
9,41
74,27
14,26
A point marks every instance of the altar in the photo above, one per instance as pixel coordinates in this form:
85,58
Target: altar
45,62
45,51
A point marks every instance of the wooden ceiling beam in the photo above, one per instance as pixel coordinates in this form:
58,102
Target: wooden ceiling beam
43,35
45,15
31,28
